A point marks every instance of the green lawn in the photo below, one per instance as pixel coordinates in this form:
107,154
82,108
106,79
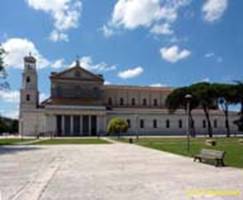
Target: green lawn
13,141
71,141
232,147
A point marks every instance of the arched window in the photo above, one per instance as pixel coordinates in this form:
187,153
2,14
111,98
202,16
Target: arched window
121,101
133,102
155,102
204,123
129,123
144,102
167,123
141,123
27,97
180,123
110,101
27,79
155,123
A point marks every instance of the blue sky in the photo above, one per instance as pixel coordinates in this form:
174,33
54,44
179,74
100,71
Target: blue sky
136,42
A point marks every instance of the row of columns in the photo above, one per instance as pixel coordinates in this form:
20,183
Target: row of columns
81,125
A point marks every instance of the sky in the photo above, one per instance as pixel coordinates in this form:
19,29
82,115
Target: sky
134,42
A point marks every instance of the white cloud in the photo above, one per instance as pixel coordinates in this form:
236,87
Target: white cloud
65,13
209,55
107,83
158,85
17,49
87,63
9,96
153,14
214,9
13,96
108,32
43,97
60,63
174,54
131,73
162,29
212,55
56,36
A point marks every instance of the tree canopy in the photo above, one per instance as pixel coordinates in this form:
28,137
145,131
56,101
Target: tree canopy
117,126
209,96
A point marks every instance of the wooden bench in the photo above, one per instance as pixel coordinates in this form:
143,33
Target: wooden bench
210,154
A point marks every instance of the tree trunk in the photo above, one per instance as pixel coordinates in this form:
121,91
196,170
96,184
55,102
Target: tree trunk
226,113
241,109
210,130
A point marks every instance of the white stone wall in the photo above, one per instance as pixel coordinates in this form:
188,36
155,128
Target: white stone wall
138,93
32,122
38,121
148,116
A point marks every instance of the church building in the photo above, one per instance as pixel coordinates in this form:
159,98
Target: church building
80,104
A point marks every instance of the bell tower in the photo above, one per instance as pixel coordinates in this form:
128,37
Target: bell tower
29,95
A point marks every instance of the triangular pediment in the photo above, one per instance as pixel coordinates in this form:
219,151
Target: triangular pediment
79,73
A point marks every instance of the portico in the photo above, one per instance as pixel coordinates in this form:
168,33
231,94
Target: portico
76,120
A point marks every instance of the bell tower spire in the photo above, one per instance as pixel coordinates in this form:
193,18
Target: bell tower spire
29,91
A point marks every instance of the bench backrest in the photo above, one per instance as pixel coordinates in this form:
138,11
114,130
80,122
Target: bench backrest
213,153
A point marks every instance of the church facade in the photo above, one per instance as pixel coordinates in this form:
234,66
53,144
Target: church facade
81,105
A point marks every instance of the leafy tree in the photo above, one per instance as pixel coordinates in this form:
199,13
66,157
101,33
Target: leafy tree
3,126
226,95
204,94
3,74
14,126
176,100
117,126
239,100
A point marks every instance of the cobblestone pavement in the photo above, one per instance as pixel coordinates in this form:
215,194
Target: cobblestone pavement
113,171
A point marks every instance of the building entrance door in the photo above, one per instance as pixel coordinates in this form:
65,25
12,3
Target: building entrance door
67,125
85,125
59,125
93,125
76,125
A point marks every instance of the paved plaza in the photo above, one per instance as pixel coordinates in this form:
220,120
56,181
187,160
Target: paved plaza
113,171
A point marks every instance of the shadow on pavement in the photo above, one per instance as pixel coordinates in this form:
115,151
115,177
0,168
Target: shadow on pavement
16,149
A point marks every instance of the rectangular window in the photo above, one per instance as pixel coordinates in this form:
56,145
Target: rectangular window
167,123
141,123
155,123
129,123
144,102
155,102
180,123
121,101
204,124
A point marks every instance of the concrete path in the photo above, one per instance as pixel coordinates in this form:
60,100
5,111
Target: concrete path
113,172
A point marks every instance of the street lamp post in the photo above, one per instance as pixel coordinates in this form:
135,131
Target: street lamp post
188,98
136,118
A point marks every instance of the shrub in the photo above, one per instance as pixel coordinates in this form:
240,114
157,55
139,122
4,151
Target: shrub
117,126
